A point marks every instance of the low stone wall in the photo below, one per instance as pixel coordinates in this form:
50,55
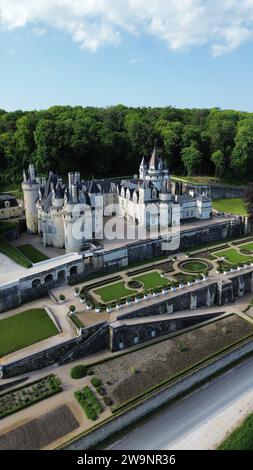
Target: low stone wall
215,191
49,356
125,336
204,295
138,411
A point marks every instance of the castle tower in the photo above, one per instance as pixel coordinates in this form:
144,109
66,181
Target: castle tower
143,169
30,187
56,210
155,171
165,198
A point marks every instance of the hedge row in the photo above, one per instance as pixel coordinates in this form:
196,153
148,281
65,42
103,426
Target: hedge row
89,402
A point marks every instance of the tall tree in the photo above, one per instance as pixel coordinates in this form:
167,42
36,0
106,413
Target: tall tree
219,162
191,158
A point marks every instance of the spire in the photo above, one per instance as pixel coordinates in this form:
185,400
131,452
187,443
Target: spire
154,160
143,163
93,188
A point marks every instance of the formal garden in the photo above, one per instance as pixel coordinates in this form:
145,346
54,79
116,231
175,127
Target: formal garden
25,328
27,395
142,283
90,404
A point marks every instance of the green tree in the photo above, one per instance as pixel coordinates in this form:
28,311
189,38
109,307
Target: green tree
218,160
191,158
242,155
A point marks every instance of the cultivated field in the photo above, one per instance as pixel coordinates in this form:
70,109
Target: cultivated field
132,374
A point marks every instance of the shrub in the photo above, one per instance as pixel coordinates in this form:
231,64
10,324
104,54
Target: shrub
76,290
89,402
90,372
101,390
95,382
134,371
62,297
182,347
72,308
108,401
78,372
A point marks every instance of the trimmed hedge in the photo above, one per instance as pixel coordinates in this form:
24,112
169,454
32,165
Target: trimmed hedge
95,382
78,372
89,402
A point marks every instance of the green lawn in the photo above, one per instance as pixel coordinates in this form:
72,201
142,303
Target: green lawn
194,266
151,280
12,252
232,256
241,438
232,206
114,292
6,225
32,253
246,246
24,329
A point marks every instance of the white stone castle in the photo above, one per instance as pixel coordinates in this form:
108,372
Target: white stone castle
54,208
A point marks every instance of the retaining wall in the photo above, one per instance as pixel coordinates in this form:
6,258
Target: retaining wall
138,411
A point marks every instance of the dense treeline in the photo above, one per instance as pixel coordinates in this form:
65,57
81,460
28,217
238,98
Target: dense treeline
111,141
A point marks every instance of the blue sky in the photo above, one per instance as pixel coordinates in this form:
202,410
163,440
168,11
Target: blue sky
46,64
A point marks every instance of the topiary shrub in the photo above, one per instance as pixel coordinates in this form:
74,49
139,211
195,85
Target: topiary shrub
78,372
72,308
101,390
108,401
95,382
62,297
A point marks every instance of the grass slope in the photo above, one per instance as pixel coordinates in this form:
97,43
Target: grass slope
241,438
24,329
232,206
114,292
6,226
12,252
32,253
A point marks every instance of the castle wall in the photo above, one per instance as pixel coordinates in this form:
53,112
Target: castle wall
107,261
117,336
126,336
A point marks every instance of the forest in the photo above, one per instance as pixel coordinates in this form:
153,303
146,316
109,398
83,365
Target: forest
111,141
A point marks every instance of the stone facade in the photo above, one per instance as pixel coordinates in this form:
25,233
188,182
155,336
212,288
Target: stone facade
124,336
68,215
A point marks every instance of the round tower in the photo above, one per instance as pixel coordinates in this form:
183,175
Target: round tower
165,198
30,187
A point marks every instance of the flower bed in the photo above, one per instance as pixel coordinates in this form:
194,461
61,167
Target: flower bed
89,402
22,397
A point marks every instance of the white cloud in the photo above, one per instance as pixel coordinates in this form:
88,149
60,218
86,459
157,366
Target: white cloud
180,24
